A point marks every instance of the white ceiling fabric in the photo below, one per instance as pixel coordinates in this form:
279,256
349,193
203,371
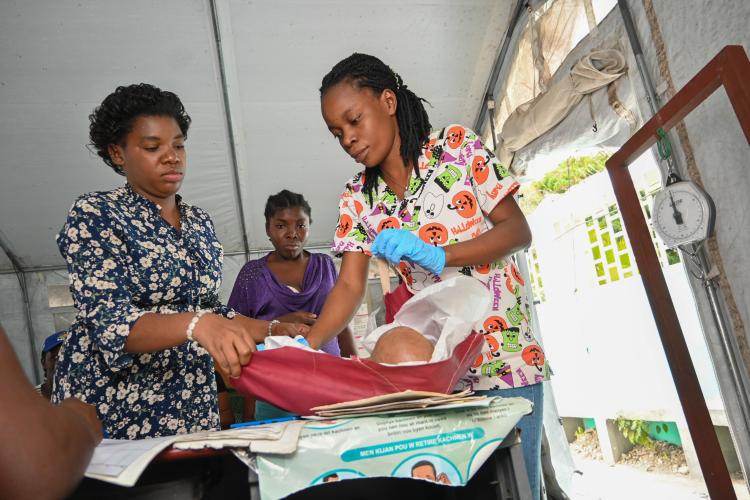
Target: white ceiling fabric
60,58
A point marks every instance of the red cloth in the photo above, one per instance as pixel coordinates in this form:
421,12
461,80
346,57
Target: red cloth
394,300
297,380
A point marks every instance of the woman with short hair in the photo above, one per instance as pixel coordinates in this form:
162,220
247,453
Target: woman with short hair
145,269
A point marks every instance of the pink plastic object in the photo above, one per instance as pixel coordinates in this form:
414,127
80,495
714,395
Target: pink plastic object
297,380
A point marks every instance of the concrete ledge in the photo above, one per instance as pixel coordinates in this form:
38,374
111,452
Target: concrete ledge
611,440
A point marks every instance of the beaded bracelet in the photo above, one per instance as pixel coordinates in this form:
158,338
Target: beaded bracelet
270,326
193,322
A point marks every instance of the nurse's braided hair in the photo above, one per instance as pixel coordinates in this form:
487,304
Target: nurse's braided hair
411,116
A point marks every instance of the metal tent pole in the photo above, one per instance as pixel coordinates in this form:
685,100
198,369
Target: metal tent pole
230,126
498,65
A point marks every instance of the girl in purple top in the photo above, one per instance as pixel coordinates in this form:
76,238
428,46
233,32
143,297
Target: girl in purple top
289,283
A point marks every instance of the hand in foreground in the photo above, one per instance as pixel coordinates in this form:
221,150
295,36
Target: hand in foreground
396,245
304,317
87,414
228,341
290,329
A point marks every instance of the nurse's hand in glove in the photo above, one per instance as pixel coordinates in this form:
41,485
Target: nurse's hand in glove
396,245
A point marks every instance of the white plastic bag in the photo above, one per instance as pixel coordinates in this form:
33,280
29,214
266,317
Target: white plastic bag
445,313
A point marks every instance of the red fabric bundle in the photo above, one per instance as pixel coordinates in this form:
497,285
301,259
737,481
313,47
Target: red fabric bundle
297,380
394,300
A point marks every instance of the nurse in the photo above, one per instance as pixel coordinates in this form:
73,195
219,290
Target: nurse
433,204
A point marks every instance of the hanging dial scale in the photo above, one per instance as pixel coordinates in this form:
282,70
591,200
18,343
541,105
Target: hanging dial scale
683,212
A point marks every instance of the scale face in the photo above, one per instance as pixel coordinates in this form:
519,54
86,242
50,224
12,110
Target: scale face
683,213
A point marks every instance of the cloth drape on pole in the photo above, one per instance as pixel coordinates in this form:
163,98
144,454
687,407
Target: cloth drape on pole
533,118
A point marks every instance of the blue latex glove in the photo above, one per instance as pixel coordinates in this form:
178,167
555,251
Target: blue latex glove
396,245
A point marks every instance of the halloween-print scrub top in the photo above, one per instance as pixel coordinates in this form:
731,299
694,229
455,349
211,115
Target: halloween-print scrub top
459,184
124,261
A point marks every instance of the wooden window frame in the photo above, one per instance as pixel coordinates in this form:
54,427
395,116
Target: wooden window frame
730,69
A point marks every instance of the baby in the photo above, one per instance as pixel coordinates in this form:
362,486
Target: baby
402,344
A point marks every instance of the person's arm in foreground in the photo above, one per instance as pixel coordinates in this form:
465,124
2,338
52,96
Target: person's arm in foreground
229,341
45,448
343,300
346,343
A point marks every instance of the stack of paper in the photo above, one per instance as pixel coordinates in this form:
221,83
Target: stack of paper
122,462
280,438
400,402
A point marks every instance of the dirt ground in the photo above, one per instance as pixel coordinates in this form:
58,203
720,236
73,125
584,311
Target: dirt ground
656,472
660,457
586,445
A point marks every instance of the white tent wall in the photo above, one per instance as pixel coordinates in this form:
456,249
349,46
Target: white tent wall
46,318
59,58
52,77
13,314
720,149
276,54
14,320
4,260
693,32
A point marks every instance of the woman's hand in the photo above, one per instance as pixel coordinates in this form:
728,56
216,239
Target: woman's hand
290,329
304,317
228,341
258,328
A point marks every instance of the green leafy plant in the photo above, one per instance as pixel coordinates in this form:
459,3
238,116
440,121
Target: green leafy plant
635,431
579,432
567,174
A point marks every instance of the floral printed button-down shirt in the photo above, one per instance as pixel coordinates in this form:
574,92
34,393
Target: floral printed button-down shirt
458,185
124,261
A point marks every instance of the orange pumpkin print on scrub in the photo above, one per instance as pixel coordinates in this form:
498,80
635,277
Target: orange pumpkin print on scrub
483,268
510,286
358,207
493,343
478,361
455,136
516,273
344,226
480,169
428,148
494,347
464,204
533,356
389,223
433,234
495,324
405,272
